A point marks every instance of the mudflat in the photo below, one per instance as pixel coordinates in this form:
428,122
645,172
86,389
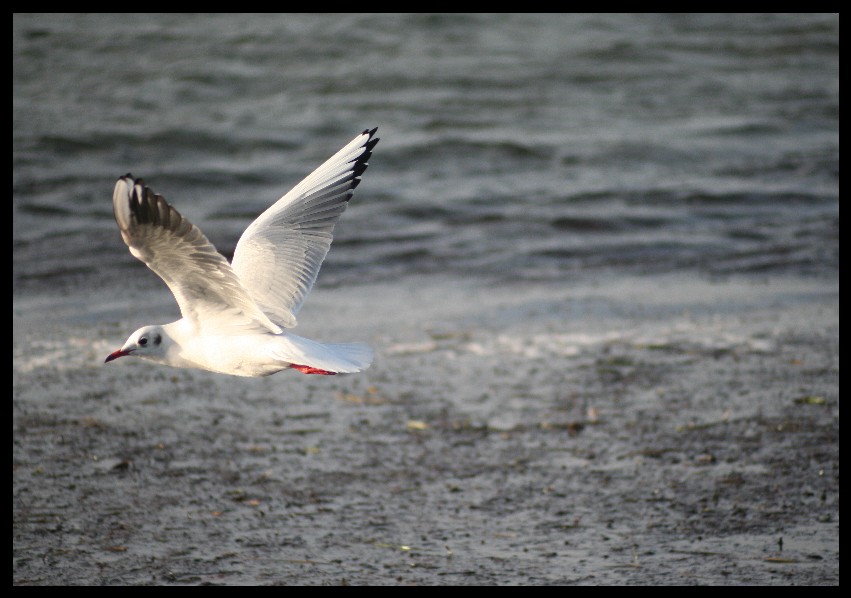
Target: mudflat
638,432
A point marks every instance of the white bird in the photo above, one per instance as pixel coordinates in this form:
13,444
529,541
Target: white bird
235,315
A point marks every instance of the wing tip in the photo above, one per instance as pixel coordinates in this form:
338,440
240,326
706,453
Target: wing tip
362,161
134,204
370,142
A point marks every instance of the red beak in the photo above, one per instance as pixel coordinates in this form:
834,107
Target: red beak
116,355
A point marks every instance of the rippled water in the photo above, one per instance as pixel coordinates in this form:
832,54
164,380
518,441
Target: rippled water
513,146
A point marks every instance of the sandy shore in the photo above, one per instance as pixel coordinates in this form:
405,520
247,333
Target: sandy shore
644,431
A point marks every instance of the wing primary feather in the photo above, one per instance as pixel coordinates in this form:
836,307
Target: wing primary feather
279,255
200,278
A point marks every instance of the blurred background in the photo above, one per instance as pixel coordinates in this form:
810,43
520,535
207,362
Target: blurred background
539,149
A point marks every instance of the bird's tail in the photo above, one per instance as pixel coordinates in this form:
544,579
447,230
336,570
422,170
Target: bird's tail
311,357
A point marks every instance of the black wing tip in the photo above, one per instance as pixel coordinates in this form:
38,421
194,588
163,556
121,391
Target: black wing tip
362,161
131,180
370,143
148,207
359,168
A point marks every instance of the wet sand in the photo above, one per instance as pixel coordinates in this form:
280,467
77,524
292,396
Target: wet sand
642,431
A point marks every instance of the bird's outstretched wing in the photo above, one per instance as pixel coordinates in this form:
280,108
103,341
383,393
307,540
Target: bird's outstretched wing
278,257
200,278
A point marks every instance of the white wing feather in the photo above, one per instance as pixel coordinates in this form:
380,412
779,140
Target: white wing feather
278,257
199,277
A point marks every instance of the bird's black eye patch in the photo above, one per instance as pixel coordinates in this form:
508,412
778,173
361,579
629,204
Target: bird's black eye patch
157,339
143,341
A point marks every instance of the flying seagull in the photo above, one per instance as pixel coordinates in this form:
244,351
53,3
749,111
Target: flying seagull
236,316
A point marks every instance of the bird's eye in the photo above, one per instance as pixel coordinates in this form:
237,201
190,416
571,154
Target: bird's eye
143,341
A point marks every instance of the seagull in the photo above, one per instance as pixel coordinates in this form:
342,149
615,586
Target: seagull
235,316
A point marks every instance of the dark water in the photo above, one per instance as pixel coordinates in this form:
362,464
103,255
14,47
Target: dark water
513,147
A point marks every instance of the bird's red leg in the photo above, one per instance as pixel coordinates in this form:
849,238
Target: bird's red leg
306,369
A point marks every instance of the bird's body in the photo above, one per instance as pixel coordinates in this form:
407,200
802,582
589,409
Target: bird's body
256,354
235,316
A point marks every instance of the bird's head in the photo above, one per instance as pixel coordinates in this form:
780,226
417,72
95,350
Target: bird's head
148,342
